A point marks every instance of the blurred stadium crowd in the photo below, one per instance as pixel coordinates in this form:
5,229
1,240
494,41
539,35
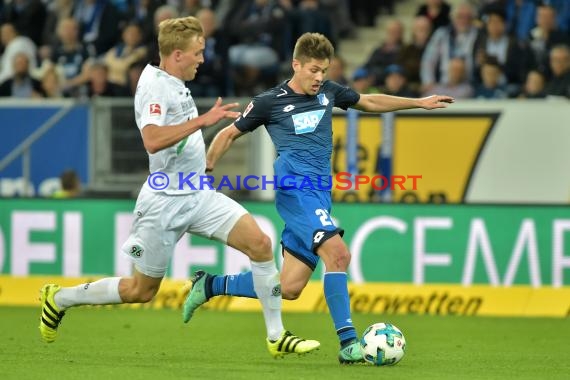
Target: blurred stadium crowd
477,49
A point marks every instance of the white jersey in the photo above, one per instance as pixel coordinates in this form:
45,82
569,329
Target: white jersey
162,99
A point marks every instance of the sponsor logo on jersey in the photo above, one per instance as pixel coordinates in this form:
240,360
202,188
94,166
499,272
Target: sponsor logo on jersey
155,109
187,106
288,108
323,100
307,122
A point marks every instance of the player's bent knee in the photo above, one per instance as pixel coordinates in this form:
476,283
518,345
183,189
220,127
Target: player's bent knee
343,258
146,295
290,296
290,293
260,248
336,260
140,295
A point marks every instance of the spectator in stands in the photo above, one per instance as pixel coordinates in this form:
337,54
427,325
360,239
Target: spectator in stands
491,86
454,41
28,17
486,6
133,74
99,24
58,10
562,10
410,56
193,6
396,82
121,6
559,84
72,57
337,67
457,85
310,17
515,58
130,50
212,78
190,7
534,86
21,84
70,185
258,27
51,83
545,36
339,13
99,84
437,11
388,52
521,18
162,13
363,81
364,12
14,44
141,12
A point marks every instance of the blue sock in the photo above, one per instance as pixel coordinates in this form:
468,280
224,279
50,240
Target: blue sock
336,294
240,285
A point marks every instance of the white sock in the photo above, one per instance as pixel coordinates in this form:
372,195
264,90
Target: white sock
268,289
102,292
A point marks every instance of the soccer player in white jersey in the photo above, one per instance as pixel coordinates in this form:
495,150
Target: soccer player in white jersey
171,131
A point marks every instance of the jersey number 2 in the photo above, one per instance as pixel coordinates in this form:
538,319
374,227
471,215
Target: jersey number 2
324,217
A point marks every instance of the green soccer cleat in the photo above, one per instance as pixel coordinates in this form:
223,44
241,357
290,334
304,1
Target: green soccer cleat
351,353
196,296
291,344
51,315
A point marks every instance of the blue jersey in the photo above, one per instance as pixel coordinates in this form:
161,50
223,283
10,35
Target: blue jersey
300,127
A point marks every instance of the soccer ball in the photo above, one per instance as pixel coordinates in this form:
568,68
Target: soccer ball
383,344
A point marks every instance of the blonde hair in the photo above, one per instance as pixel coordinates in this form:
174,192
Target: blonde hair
313,45
176,33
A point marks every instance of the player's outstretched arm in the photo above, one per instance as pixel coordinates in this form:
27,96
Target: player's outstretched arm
388,103
156,138
220,145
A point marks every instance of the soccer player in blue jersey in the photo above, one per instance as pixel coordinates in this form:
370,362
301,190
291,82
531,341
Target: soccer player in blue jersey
298,116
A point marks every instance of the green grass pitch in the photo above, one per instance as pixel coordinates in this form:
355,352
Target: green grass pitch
104,343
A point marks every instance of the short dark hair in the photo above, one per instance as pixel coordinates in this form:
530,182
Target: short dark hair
491,60
313,45
69,180
496,11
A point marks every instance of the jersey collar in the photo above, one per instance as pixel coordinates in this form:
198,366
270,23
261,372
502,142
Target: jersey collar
170,77
289,91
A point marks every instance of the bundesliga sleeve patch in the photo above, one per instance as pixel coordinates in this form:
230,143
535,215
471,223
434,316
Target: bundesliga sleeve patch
155,109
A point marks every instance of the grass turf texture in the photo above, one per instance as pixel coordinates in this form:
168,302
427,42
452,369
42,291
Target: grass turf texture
103,343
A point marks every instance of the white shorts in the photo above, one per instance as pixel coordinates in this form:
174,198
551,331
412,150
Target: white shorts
161,220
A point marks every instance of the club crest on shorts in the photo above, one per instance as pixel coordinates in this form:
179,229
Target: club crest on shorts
136,251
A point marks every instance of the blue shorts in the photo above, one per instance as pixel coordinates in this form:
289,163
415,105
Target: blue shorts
308,223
